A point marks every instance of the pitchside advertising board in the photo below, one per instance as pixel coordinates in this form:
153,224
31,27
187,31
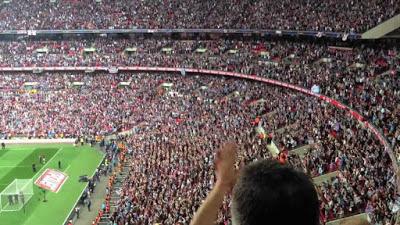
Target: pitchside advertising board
51,180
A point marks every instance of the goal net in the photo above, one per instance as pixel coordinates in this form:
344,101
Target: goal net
16,195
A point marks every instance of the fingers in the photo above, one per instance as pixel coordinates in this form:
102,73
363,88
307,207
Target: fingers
229,149
217,159
231,146
218,156
226,155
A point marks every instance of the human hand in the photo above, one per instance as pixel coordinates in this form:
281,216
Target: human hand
225,166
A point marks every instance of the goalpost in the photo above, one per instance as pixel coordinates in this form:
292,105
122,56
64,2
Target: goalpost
15,196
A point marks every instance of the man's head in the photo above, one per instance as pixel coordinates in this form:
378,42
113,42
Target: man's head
267,192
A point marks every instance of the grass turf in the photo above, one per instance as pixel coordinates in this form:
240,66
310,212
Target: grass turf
16,163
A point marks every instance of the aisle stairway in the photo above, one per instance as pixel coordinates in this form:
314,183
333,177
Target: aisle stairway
382,29
115,192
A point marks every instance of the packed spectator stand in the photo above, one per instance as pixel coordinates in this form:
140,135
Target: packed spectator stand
329,15
165,118
179,120
365,78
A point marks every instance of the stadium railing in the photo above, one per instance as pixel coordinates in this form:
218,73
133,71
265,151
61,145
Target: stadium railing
237,32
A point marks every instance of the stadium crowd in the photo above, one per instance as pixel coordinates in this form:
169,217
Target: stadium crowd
59,106
231,107
363,77
177,125
329,15
172,149
179,121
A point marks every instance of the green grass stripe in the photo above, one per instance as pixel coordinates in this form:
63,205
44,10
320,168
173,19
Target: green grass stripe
23,170
75,162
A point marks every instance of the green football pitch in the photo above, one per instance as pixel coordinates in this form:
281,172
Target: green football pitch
16,163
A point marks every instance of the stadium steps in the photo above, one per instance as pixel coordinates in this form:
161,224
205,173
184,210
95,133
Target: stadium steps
105,219
340,221
97,198
271,114
380,76
301,151
325,178
382,29
104,223
273,149
285,128
122,174
120,177
115,197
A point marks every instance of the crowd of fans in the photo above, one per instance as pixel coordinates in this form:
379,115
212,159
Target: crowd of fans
179,120
64,105
328,15
172,149
338,149
364,77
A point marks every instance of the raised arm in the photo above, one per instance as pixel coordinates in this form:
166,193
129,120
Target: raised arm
226,179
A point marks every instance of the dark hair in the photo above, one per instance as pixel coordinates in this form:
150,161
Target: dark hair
270,193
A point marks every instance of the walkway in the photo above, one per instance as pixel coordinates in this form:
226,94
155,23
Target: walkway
97,199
